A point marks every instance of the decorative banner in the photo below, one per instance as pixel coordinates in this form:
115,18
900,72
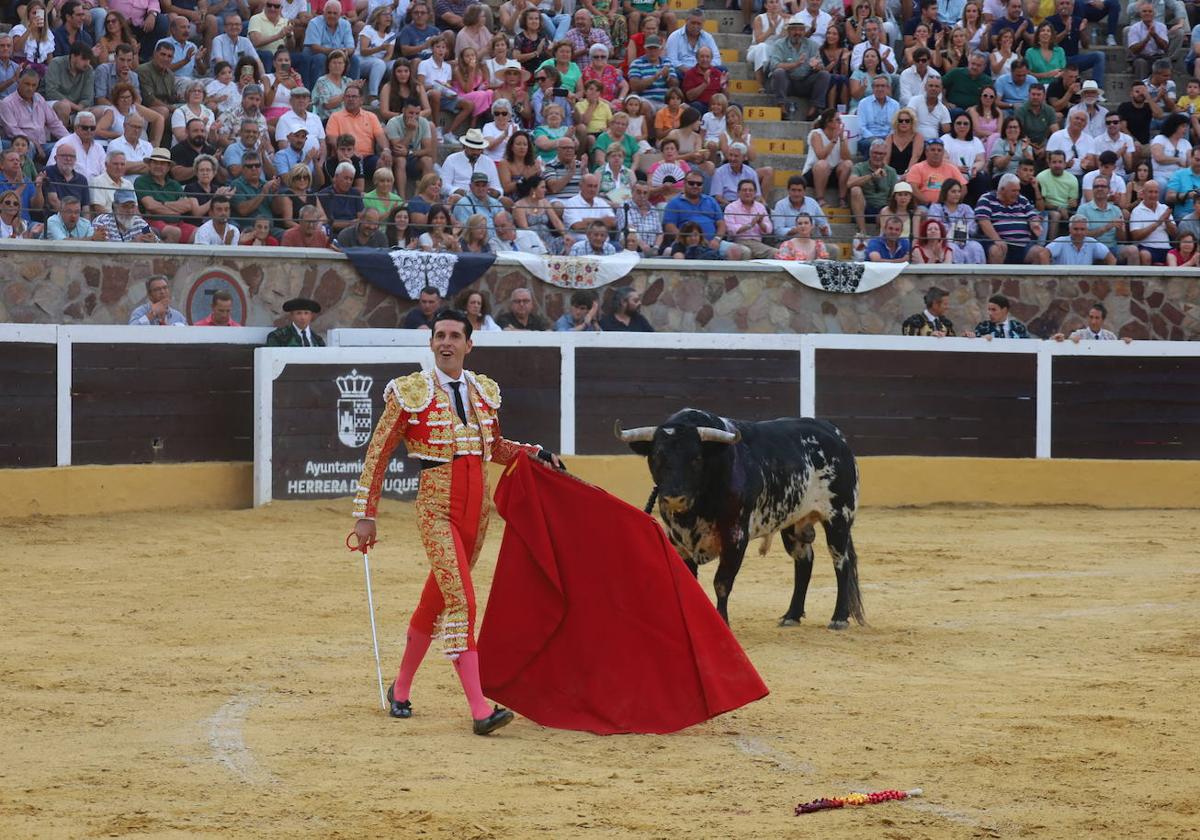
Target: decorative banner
839,276
404,273
577,272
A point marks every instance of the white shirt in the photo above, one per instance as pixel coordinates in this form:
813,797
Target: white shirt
822,24
457,169
1123,144
433,75
1116,184
133,154
1142,216
290,121
1075,150
305,333
491,132
962,152
207,234
443,380
913,85
101,190
526,241
577,209
1181,152
885,55
89,163
929,122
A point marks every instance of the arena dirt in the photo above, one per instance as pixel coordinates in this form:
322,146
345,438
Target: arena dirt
209,674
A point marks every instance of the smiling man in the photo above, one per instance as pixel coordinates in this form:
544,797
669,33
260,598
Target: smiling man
447,419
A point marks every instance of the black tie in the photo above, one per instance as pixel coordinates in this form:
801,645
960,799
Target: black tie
458,402
304,339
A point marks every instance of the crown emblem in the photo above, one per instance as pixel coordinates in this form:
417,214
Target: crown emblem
355,386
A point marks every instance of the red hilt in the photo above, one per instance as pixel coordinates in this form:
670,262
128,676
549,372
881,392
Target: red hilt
363,547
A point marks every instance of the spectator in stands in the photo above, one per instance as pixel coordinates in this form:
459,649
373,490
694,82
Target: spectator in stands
232,45
69,82
218,230
932,120
914,77
747,221
785,212
1107,170
417,37
795,69
188,60
704,210
582,314
145,18
583,35
1106,222
1090,97
74,29
643,221
268,31
324,35
999,323
12,224
8,68
508,239
458,168
221,313
102,187
475,238
157,311
298,151
132,143
1010,148
932,321
932,247
475,304
625,313
420,317
962,85
926,178
364,233
801,246
966,151
1146,40
1013,87
309,233
1059,191
252,194
12,177
163,200
564,174
123,224
596,243
1151,226
704,80
580,210
1038,120
478,201
341,200
891,247
25,111
1186,254
1077,248
650,75
156,80
300,115
1094,331
727,179
370,143
685,42
875,115
298,331
520,314
959,221
1116,141
64,181
1137,115
1010,224
68,223
204,186
1170,149
873,39
828,157
1075,144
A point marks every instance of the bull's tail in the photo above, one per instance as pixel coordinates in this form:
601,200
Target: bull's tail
653,498
853,592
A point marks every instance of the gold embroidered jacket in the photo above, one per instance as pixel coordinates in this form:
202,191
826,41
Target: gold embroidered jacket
419,413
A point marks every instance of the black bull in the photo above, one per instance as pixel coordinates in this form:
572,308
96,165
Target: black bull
722,483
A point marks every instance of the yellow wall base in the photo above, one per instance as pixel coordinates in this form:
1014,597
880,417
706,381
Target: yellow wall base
886,482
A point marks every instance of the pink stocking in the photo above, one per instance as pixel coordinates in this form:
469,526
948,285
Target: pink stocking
467,666
414,651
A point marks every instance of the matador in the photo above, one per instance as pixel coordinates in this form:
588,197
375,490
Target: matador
447,419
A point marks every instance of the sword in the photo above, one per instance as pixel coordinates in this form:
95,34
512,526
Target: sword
371,608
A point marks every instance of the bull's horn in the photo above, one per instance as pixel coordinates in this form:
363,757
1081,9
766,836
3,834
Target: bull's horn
641,433
710,435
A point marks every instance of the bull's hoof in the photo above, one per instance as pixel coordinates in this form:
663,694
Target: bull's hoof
789,622
839,625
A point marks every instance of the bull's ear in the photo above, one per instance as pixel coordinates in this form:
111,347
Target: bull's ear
642,447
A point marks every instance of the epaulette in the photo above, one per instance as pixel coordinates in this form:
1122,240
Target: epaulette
487,388
414,392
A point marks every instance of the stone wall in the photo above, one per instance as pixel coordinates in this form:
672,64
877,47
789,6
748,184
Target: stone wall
100,283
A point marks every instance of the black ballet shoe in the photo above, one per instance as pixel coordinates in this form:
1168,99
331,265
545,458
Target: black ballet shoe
498,718
398,708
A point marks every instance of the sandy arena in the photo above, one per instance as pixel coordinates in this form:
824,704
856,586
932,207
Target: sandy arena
209,674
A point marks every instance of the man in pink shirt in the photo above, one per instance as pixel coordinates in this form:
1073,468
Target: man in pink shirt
222,310
928,176
748,221
25,111
145,16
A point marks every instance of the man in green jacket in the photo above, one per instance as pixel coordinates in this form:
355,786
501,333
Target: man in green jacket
69,81
795,68
298,333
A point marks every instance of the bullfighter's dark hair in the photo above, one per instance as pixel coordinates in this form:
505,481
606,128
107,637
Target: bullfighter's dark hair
454,315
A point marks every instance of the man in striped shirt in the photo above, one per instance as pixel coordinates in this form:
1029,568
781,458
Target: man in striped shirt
651,74
1012,224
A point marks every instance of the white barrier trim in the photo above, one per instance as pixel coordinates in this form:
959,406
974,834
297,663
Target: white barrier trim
63,406
1044,401
29,333
566,403
269,363
124,334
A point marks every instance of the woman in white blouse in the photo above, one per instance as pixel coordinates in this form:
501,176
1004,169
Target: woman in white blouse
965,150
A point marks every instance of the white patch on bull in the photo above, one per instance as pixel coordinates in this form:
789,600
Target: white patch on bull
700,543
815,496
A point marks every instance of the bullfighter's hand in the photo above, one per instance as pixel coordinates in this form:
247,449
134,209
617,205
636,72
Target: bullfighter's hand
364,532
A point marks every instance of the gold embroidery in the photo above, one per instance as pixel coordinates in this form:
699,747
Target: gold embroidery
389,431
414,391
486,388
433,518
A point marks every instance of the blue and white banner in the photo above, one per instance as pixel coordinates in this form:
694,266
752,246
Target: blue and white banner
404,273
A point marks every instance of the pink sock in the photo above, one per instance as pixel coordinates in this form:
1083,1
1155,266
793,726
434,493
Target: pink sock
414,651
467,666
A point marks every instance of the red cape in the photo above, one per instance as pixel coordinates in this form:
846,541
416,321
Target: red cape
594,623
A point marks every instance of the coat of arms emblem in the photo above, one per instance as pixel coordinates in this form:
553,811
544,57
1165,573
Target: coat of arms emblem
354,409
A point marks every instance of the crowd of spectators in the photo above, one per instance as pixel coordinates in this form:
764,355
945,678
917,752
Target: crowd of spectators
951,130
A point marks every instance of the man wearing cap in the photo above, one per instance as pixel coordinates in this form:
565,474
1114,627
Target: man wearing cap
926,178
650,75
1090,97
183,155
300,114
300,149
163,200
458,168
686,41
795,68
124,224
157,311
478,200
298,332
370,143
